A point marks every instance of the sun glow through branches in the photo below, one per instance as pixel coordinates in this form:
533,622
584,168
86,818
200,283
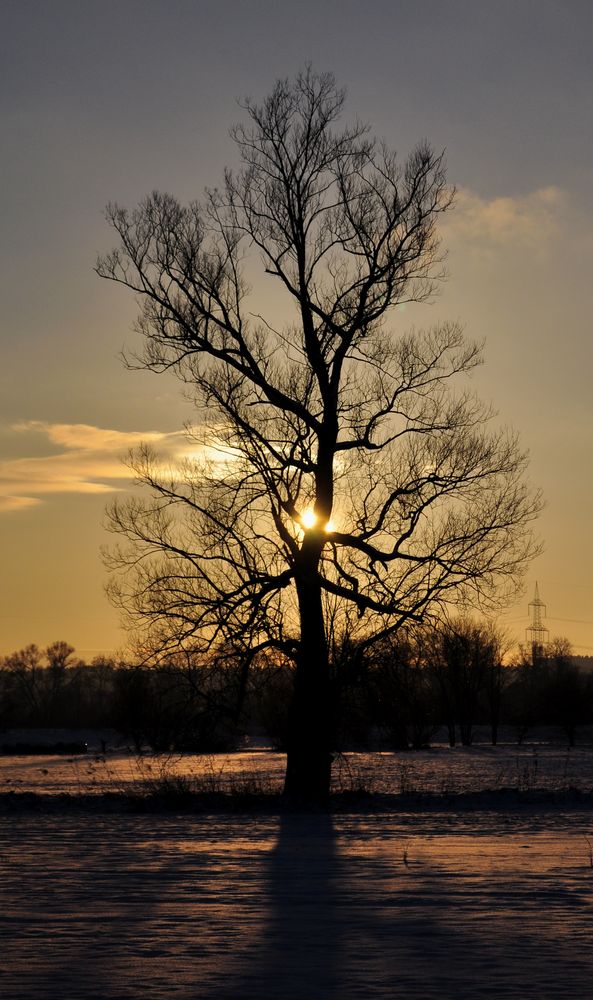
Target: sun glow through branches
309,519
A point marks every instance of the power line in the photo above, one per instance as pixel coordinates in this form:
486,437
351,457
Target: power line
574,621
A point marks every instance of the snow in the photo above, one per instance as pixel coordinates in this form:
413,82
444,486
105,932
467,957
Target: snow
441,901
440,770
423,905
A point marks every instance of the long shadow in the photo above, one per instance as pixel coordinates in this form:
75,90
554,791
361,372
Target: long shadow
134,910
294,952
366,923
300,950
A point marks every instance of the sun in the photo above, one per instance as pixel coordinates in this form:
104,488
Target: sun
309,518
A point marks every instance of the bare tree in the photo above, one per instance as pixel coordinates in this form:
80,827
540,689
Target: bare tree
338,462
43,681
466,664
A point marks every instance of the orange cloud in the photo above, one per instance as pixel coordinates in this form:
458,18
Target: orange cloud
90,461
8,503
85,437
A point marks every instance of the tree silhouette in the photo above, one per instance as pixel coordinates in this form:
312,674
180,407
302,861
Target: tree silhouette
339,468
466,664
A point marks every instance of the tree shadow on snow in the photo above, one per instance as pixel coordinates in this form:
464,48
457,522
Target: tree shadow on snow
303,907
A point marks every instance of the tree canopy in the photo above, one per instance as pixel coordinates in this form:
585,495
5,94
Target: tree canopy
346,472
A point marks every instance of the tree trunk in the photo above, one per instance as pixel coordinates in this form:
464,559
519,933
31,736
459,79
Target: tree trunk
466,733
310,732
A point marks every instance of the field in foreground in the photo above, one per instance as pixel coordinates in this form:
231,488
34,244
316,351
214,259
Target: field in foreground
430,905
475,880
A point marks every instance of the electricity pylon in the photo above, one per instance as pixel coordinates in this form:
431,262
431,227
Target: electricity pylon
537,634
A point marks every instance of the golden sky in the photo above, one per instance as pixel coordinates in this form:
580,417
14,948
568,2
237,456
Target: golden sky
106,101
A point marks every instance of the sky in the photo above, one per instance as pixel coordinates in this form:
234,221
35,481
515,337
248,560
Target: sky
107,101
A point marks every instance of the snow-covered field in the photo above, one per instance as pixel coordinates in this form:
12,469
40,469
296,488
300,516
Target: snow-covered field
444,903
421,906
441,770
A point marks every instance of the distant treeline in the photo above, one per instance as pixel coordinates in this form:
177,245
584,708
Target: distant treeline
397,694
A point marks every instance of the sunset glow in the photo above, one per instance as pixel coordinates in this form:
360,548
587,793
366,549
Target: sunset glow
518,248
309,519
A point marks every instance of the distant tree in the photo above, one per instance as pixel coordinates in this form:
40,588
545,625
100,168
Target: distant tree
466,665
183,703
62,683
97,694
584,663
338,460
403,702
565,695
271,691
525,706
23,684
497,680
43,685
